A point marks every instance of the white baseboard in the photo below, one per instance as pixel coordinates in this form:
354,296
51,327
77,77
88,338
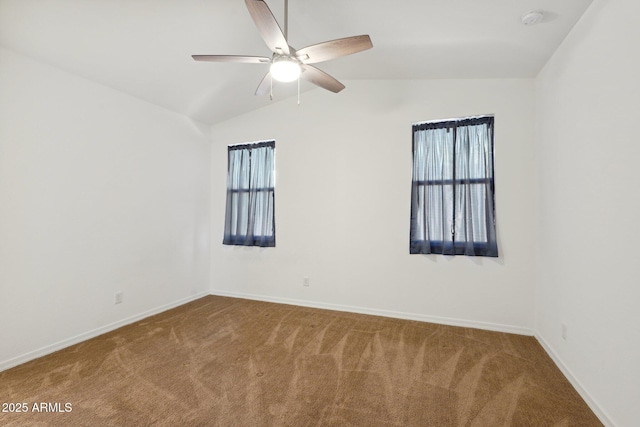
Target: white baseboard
7,364
604,418
384,313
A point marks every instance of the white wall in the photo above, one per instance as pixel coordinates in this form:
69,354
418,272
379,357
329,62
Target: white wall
588,104
99,192
343,165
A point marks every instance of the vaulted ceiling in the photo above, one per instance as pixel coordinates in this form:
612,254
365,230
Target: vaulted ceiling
144,47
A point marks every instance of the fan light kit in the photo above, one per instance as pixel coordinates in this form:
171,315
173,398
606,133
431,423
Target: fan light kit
287,63
285,69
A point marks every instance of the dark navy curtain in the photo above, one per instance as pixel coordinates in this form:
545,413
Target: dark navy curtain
249,219
452,192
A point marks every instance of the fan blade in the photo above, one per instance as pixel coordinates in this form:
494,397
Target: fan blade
233,58
267,26
320,78
334,49
265,85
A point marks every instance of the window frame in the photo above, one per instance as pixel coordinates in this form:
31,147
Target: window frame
454,246
261,240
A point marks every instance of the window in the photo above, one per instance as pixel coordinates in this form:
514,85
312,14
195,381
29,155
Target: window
452,191
249,219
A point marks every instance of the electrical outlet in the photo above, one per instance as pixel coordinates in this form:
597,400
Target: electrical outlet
119,297
564,331
305,281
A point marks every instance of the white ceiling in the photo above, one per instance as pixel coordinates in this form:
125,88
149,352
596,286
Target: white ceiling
144,47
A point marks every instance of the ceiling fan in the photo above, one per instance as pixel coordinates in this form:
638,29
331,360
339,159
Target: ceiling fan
287,63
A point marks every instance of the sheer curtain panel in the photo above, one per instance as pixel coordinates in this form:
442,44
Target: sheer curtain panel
249,219
452,191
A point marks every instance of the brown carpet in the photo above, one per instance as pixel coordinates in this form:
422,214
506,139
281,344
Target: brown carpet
230,362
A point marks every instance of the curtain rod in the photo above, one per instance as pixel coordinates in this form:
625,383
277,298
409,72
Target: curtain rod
458,119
